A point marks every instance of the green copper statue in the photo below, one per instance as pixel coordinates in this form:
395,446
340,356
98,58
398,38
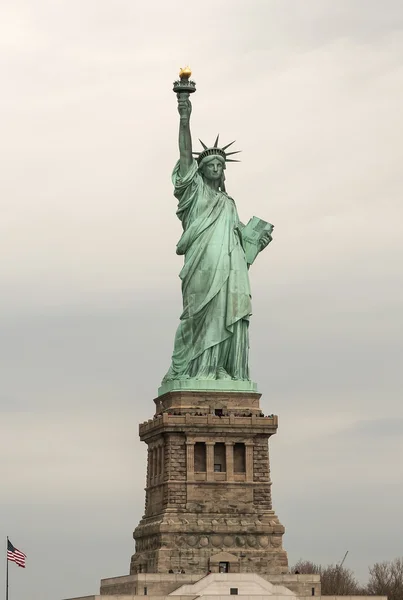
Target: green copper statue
212,341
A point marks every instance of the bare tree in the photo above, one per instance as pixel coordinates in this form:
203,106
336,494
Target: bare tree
386,579
306,567
336,581
339,581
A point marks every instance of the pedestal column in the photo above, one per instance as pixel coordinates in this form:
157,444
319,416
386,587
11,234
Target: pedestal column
190,461
154,463
210,461
229,460
249,460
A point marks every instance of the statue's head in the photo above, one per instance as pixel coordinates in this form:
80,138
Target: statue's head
214,154
212,167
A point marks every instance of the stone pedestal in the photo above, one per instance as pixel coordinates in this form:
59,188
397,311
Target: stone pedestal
209,529
208,493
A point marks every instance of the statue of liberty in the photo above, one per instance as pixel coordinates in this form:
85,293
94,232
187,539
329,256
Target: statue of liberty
212,340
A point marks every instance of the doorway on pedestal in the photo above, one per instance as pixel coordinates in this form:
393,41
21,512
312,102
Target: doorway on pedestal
224,562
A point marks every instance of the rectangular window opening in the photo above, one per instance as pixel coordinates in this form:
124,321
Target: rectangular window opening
239,458
219,457
145,591
313,591
233,591
200,457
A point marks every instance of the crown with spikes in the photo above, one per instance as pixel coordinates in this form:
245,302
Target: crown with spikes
216,151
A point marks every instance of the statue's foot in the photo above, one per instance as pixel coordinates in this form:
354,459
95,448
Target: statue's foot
222,374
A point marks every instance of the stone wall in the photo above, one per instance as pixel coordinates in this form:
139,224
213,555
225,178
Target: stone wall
175,457
214,497
164,584
261,474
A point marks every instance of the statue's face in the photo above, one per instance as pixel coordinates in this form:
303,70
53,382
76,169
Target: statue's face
213,170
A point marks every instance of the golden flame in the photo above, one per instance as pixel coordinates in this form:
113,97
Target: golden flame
185,73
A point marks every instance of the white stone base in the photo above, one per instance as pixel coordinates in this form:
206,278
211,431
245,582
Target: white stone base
217,586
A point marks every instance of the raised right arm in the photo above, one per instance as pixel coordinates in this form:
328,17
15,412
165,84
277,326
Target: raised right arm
185,138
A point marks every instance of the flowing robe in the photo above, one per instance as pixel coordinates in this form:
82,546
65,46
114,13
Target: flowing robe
212,338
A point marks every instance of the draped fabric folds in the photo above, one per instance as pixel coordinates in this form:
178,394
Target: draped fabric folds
211,341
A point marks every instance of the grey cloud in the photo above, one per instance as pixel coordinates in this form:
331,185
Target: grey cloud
379,427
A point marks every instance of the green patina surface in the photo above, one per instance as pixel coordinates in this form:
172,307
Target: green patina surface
211,385
211,348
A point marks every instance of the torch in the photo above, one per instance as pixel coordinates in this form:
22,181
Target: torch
184,85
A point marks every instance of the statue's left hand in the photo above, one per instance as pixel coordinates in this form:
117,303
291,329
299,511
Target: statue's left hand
265,241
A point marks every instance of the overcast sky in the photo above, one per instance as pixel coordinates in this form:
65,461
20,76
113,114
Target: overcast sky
312,90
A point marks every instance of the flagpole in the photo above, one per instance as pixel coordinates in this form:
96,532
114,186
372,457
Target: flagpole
7,570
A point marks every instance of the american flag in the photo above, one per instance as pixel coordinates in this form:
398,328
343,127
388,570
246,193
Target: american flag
15,555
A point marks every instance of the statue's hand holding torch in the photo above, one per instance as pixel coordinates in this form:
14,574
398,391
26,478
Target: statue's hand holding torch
184,106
